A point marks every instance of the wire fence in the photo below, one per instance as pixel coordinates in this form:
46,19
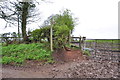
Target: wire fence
104,49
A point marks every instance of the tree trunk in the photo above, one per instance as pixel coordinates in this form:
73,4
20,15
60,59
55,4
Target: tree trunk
18,30
24,21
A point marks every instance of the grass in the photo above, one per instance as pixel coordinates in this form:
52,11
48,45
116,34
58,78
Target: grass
86,52
103,40
72,46
18,53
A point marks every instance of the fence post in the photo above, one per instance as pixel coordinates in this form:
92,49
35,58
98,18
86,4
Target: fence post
69,38
112,48
84,38
112,45
95,46
80,42
51,40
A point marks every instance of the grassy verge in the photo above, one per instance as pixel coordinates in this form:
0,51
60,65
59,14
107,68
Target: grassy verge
18,53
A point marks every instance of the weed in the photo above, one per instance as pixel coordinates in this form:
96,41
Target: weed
15,53
86,52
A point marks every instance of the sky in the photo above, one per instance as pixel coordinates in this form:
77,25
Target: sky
97,19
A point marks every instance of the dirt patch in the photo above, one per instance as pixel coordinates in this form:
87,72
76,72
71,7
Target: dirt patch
76,69
67,56
63,60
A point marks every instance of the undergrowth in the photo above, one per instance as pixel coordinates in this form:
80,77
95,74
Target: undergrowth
18,53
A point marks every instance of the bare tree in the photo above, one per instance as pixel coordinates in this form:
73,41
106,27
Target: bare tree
14,12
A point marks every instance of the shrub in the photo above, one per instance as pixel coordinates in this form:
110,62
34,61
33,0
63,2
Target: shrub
41,33
60,34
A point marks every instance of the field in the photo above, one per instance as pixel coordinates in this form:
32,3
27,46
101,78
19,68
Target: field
104,40
109,45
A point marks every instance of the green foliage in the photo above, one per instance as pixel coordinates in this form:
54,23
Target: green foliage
59,30
17,54
65,18
86,52
62,24
41,33
36,34
60,33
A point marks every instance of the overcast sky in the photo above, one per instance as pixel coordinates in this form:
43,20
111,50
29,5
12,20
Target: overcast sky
98,19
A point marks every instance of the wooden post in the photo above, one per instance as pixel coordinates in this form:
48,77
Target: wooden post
84,38
96,47
80,42
112,48
51,32
51,40
69,37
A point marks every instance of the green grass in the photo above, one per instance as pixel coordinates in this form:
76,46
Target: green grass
86,52
102,41
18,53
74,46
